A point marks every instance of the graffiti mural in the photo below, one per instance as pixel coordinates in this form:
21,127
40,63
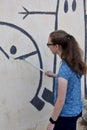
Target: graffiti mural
13,51
26,94
38,103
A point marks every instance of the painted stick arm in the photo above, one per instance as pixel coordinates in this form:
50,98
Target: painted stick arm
34,65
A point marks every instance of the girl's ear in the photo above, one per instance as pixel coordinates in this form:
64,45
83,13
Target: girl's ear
57,48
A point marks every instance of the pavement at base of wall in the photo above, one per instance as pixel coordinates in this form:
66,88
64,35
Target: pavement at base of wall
80,125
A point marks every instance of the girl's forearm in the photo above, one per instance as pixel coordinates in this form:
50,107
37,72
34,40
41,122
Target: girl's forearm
57,110
50,74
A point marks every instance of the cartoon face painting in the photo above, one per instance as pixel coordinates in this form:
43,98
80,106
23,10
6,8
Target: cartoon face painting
13,47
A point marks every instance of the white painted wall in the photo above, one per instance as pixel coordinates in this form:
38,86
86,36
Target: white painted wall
19,81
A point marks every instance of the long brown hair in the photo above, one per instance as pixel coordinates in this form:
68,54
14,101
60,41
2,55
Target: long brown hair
71,52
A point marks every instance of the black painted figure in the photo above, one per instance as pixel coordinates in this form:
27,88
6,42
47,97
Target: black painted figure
67,93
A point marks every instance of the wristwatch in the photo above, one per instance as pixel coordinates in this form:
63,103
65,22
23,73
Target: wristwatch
51,120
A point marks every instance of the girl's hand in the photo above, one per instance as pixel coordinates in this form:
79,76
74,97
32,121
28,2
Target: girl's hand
50,74
50,126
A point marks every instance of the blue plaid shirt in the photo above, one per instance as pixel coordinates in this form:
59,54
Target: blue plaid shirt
73,103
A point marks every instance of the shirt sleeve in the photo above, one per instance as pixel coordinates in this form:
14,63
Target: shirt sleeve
64,71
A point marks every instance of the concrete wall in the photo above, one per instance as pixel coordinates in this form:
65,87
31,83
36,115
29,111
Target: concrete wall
26,94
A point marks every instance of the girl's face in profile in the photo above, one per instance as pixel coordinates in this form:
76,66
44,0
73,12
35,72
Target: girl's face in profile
51,46
55,48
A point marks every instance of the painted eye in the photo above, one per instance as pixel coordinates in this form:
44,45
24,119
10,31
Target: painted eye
13,50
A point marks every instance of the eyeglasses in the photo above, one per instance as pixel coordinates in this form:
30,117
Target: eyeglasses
49,44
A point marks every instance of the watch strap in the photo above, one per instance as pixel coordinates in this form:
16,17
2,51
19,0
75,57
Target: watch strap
52,121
